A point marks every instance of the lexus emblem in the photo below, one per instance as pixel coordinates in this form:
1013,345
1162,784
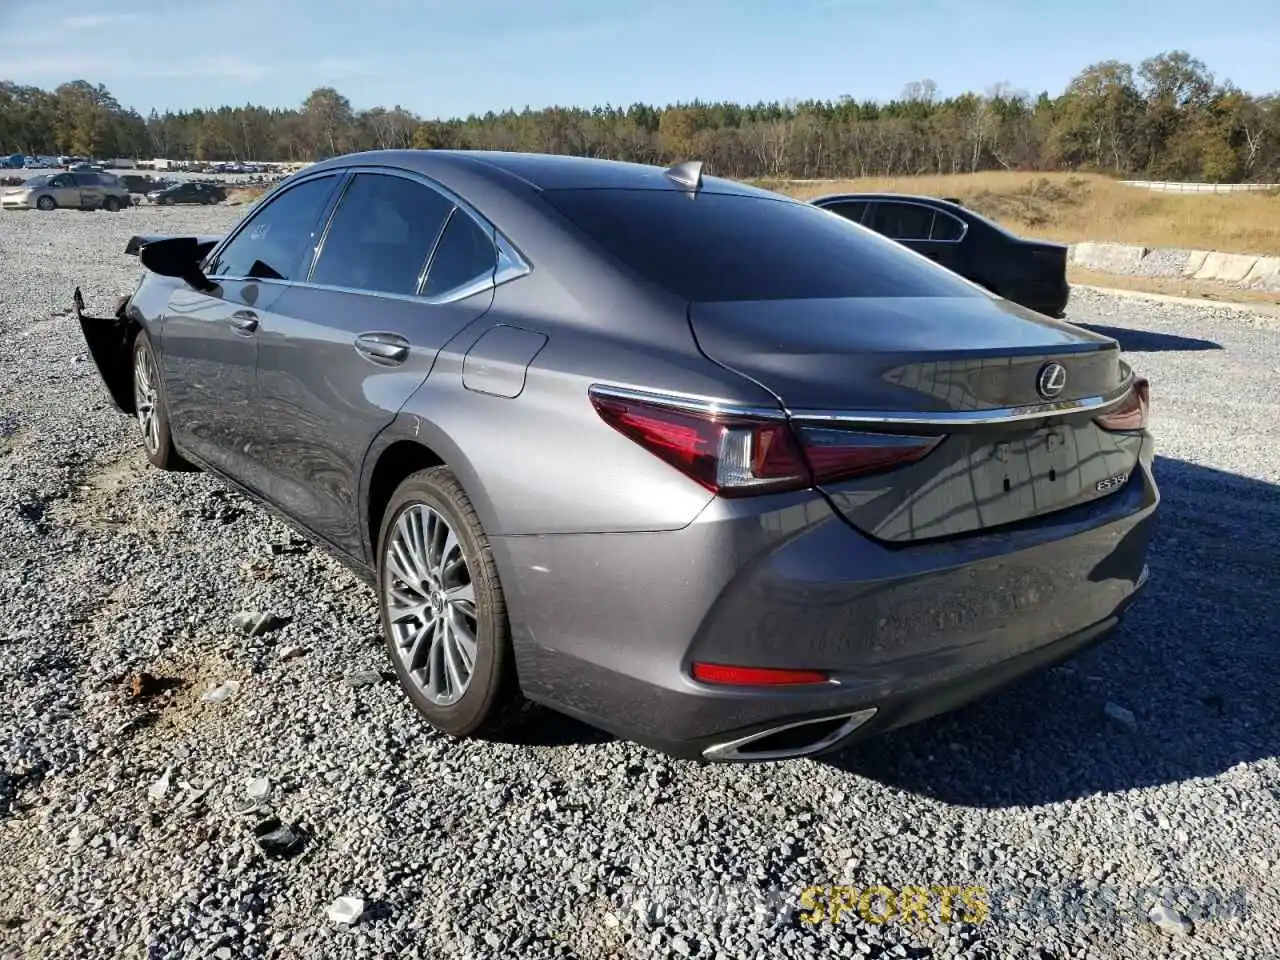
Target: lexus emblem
1052,379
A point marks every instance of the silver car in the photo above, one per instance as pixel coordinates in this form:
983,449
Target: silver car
710,468
74,190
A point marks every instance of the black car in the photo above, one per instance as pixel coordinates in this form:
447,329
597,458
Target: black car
1032,273
193,191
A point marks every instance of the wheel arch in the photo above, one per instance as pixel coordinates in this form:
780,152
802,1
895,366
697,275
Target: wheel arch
408,444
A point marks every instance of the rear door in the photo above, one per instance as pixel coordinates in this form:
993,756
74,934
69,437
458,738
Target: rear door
913,225
401,271
209,341
91,192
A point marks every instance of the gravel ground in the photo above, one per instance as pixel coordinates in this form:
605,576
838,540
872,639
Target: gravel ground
1144,769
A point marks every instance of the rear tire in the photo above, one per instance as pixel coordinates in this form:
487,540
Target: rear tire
443,611
151,407
46,204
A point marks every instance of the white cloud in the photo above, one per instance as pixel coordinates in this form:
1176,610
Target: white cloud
95,21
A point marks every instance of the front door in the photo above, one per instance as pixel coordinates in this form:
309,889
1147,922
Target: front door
340,355
210,339
66,192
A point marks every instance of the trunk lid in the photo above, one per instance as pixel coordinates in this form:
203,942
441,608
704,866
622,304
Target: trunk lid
1010,451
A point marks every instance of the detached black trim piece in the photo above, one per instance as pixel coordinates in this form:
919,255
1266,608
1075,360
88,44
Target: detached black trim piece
109,340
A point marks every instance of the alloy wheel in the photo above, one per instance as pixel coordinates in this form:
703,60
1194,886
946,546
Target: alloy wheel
145,399
431,604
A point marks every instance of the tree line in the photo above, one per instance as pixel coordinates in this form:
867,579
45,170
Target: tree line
1167,118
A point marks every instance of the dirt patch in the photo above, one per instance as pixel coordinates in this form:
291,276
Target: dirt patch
101,501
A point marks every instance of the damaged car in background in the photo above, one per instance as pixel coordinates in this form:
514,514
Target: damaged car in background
638,445
80,190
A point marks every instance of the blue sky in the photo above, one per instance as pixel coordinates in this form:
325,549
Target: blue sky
453,57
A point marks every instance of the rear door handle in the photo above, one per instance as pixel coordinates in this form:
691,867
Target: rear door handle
384,348
246,321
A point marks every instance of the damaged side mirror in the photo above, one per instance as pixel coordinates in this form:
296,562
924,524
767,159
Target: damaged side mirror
177,257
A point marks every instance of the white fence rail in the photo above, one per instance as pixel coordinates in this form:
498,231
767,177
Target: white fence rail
1168,187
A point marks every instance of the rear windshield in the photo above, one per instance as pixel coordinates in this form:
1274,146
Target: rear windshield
720,247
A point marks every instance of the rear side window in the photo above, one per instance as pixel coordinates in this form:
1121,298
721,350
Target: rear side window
946,227
381,235
86,179
277,242
723,247
466,254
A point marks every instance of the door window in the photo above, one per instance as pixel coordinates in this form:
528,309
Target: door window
902,221
381,235
277,242
946,227
86,179
849,209
465,255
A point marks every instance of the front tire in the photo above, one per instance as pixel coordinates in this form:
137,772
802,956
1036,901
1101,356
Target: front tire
443,612
111,205
151,407
47,203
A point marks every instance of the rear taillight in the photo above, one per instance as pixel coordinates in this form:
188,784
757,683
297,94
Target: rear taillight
1131,412
735,456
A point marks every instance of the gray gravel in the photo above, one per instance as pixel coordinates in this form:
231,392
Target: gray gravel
1143,772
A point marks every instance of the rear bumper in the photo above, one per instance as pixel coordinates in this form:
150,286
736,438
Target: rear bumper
606,627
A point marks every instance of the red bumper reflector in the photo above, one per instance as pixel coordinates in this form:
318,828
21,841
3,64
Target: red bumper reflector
754,676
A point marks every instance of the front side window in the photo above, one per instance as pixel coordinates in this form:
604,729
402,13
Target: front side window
86,179
381,235
902,221
277,242
466,254
849,209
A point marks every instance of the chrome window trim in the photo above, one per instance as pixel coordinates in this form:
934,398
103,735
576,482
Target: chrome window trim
870,418
510,263
872,202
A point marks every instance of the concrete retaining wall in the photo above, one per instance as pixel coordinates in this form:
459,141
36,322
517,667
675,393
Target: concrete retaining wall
1171,187
1129,260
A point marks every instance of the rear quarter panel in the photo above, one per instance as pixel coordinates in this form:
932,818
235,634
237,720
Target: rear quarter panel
542,461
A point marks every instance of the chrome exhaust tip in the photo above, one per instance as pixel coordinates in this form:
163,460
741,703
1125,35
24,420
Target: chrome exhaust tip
789,739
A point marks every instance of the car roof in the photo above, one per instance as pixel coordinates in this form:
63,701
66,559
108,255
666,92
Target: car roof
536,171
881,195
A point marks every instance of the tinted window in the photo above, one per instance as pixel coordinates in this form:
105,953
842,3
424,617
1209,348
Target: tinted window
850,209
86,179
466,253
381,235
720,247
63,180
902,221
946,227
277,242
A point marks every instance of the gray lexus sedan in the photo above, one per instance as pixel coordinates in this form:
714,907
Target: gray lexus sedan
709,468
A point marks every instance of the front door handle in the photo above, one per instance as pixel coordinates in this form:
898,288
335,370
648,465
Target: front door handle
384,348
246,321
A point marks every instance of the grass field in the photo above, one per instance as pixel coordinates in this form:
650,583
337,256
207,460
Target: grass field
1074,207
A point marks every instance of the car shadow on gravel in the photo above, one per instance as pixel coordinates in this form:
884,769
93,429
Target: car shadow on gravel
1149,341
1196,663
